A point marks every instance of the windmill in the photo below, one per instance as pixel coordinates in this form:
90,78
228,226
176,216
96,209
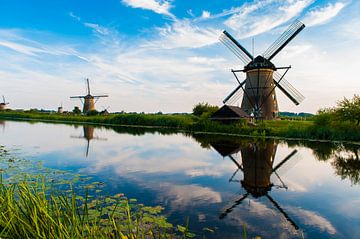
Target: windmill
257,167
89,100
3,104
88,135
258,88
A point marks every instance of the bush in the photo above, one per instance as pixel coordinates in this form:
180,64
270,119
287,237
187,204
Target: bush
202,108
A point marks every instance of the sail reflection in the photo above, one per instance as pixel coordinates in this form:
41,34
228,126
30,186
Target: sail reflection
257,166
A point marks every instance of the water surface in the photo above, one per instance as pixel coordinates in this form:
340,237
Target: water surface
278,189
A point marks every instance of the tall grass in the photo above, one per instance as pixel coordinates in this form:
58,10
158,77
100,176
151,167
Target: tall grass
30,211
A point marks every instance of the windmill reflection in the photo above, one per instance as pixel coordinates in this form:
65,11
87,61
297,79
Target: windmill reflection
88,135
2,123
257,166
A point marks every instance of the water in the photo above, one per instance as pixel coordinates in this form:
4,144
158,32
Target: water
277,189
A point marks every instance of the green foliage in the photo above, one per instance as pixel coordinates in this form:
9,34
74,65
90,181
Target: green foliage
325,125
29,211
349,109
76,110
203,108
92,113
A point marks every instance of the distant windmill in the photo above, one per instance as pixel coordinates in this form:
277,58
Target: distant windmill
258,89
257,167
3,104
89,100
60,109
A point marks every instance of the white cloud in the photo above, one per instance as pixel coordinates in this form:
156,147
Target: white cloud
313,219
184,196
185,34
251,20
205,14
160,7
323,15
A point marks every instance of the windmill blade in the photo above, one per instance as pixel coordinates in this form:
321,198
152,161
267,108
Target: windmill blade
282,212
235,47
236,162
229,209
100,96
77,97
87,148
285,160
236,93
284,39
293,94
88,86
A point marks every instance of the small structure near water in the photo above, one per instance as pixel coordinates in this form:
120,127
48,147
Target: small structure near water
230,114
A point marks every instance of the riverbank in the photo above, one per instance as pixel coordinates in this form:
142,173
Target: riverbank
290,129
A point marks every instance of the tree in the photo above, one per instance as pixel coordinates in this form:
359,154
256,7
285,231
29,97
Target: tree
202,108
349,109
76,110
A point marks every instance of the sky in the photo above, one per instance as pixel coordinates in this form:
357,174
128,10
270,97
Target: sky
165,55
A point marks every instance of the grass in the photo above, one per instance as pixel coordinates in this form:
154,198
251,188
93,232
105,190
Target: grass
298,129
29,211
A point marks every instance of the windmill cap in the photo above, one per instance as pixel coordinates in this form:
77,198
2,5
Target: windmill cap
260,62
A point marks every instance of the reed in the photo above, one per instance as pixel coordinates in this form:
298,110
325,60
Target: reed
29,210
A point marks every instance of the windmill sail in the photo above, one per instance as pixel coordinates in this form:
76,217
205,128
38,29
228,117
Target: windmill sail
236,47
293,94
283,40
235,94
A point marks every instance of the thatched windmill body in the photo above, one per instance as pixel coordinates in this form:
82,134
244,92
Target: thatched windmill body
258,89
3,104
88,100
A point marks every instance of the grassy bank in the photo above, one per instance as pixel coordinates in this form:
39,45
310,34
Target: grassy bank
299,129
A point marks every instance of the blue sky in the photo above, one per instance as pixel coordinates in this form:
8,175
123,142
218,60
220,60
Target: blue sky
164,55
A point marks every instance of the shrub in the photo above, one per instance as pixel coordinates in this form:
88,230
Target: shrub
202,108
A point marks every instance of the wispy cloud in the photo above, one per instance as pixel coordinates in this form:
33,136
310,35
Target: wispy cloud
97,28
21,48
185,34
262,16
205,14
71,14
323,15
158,6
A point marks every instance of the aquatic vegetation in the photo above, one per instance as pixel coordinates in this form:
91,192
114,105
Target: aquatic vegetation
58,204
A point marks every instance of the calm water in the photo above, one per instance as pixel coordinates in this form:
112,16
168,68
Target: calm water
278,189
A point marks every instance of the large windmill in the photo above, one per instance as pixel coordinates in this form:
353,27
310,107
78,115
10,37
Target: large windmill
89,100
257,165
3,104
258,89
